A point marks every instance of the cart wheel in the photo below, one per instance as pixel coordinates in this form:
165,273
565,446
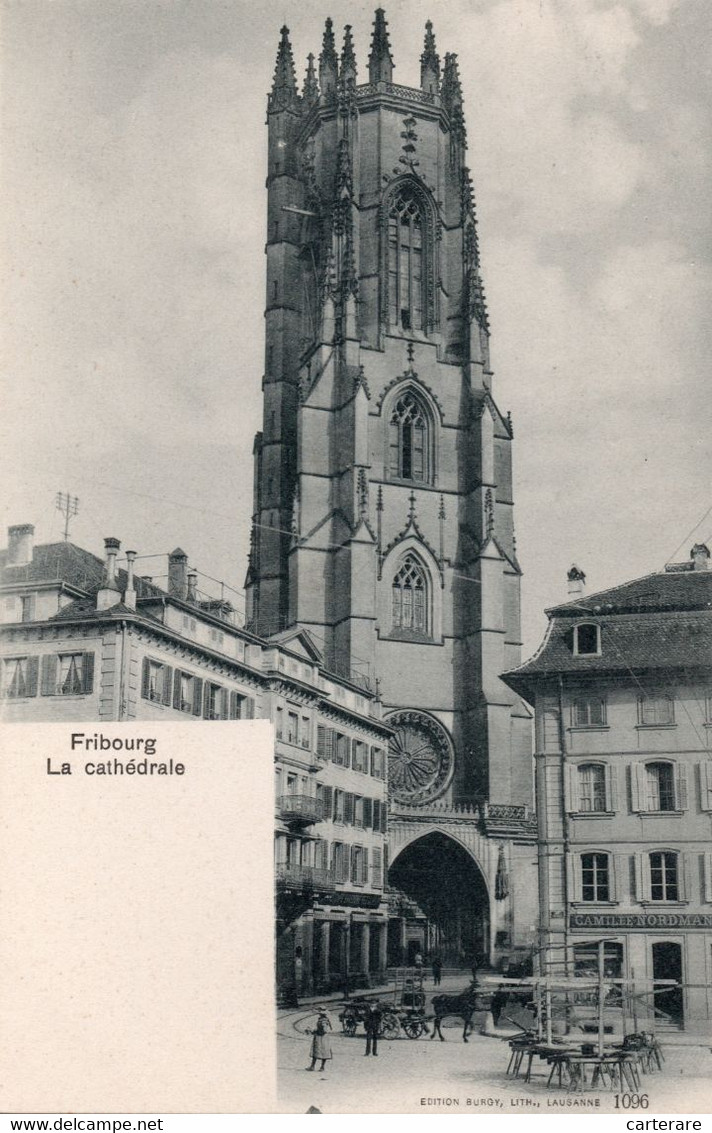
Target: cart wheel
350,1023
390,1027
413,1028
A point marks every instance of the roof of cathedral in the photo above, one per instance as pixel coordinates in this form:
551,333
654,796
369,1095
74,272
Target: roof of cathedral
656,622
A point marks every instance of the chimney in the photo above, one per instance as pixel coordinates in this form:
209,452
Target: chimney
577,582
700,555
177,571
130,592
108,594
19,544
192,590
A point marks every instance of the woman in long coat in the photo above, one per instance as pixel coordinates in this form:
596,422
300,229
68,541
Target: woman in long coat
320,1044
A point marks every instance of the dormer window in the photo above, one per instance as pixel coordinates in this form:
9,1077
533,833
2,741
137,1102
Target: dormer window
587,640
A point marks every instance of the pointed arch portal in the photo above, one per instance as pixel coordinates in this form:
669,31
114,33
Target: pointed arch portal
439,903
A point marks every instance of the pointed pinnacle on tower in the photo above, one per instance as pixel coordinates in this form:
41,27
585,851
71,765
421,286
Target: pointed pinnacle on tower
328,60
451,92
284,84
430,63
380,61
310,90
347,73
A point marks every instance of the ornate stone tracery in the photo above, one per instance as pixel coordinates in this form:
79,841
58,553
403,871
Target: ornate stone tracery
420,762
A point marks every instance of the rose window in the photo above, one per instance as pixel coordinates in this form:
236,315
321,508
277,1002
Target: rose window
420,762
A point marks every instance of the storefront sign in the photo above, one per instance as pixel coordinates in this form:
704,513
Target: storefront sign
641,920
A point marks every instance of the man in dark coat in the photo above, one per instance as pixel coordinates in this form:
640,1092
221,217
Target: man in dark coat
372,1023
437,970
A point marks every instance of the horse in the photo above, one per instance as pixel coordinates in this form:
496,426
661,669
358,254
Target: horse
462,1005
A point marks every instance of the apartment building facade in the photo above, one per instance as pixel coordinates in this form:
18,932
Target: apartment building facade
82,640
622,692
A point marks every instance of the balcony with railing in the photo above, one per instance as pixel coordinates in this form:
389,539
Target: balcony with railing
300,808
292,876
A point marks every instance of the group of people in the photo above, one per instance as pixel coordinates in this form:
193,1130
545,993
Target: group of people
320,1050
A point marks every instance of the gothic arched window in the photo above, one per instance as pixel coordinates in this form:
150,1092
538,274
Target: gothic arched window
409,440
410,598
406,267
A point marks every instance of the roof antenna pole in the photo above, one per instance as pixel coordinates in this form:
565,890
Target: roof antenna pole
69,507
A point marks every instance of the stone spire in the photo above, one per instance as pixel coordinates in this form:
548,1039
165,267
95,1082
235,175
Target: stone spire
284,85
452,95
347,73
429,63
328,61
310,91
380,61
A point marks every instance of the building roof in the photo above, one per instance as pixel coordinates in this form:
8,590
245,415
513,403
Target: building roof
75,568
55,562
680,589
662,621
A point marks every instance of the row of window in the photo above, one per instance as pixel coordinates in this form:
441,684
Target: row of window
350,863
352,810
653,710
346,752
656,786
193,695
53,674
657,876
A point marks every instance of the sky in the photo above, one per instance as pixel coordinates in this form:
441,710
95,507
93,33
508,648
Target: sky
134,163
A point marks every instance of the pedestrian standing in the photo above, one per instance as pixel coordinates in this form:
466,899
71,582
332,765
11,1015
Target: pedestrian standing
437,969
499,1000
373,1022
418,961
320,1044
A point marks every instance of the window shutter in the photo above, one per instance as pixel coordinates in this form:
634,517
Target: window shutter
349,808
32,673
320,740
224,702
642,877
145,670
636,772
706,785
49,674
167,684
572,893
376,814
235,699
616,866
197,695
572,788
376,868
249,707
364,866
354,865
330,739
681,787
176,688
684,879
611,787
707,875
328,803
384,817
88,672
367,814
206,702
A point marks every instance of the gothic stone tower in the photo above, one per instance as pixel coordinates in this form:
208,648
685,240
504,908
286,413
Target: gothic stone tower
383,517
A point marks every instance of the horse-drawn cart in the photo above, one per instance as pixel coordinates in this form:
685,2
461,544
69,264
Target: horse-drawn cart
405,1014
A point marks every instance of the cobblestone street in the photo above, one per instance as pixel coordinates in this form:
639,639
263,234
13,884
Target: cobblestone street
426,1076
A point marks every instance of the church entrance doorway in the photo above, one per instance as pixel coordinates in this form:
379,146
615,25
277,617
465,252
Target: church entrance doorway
439,904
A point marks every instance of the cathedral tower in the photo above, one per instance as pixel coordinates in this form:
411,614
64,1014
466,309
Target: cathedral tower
383,514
